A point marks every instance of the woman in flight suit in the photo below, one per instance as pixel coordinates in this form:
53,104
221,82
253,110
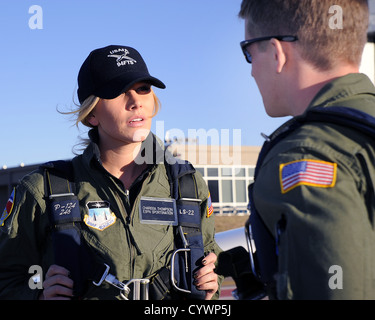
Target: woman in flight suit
118,103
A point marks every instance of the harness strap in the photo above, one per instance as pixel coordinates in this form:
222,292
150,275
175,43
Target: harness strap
160,285
64,214
189,228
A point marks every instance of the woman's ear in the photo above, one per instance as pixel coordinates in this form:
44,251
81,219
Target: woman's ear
92,120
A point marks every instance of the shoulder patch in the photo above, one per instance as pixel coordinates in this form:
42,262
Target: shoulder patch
8,208
210,208
307,172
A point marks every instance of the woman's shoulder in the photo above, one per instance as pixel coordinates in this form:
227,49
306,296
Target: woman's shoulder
34,182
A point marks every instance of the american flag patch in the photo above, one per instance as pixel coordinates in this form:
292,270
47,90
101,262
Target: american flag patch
210,208
307,172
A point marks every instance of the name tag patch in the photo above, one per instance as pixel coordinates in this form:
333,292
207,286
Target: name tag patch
189,212
158,211
65,210
100,216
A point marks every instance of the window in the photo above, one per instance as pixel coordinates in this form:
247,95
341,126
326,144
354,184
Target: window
227,191
212,172
241,191
201,170
228,184
251,172
239,172
226,172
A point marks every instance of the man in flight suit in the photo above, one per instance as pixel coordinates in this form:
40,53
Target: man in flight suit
313,193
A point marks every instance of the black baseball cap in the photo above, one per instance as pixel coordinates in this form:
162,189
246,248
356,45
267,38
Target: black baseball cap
107,72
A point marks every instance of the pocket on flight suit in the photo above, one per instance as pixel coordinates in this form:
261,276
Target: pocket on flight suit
106,243
154,242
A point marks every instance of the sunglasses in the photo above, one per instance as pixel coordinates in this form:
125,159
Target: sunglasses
244,44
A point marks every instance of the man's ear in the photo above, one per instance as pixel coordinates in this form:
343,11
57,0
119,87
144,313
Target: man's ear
279,55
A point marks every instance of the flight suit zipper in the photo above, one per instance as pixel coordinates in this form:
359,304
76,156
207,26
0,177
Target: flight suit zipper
129,211
131,216
123,202
132,250
130,220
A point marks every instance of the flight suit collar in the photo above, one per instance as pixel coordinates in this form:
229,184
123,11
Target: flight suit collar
336,93
152,152
339,90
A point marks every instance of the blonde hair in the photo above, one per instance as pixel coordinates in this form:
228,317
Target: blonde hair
84,110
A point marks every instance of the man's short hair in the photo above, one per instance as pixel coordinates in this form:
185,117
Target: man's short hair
322,40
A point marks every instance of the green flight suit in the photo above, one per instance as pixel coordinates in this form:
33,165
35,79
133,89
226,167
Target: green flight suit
326,245
132,249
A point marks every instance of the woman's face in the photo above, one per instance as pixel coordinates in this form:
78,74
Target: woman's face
126,118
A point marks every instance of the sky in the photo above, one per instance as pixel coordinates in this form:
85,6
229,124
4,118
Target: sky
191,45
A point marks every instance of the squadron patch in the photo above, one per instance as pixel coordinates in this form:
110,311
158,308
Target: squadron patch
100,216
8,208
307,172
